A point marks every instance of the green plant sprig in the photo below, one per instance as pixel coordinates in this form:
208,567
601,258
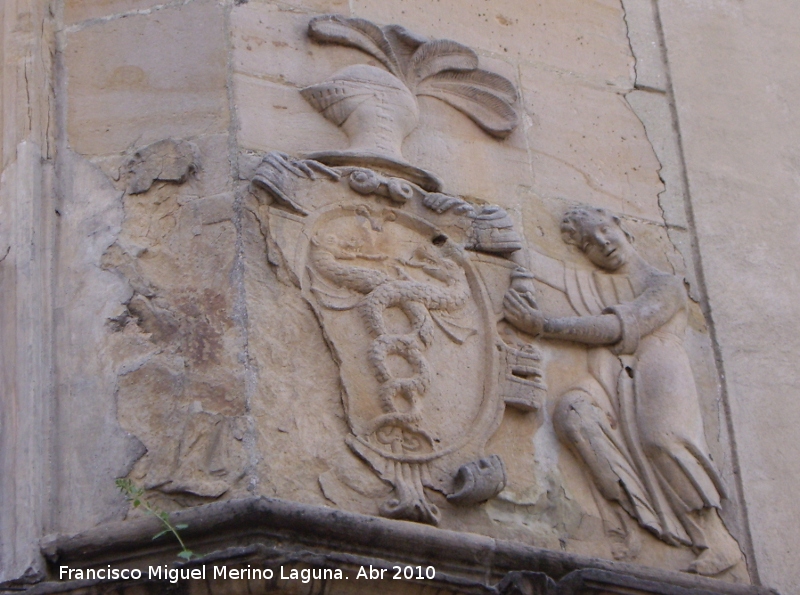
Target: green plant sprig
135,495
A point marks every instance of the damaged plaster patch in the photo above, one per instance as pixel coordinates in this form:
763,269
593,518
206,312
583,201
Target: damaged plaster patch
178,376
168,160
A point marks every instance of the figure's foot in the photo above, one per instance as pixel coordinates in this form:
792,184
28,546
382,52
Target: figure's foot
626,542
627,550
713,562
723,550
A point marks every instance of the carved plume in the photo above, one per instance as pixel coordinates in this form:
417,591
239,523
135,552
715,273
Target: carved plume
437,68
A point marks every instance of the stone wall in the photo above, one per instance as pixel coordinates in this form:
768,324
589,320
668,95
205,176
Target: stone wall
247,256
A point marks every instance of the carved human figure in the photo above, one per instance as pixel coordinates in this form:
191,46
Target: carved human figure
635,419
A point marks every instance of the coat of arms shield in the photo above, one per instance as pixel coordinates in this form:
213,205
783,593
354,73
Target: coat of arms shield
409,297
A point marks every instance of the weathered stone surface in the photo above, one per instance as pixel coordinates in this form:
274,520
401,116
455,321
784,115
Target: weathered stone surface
306,6
76,11
206,349
26,389
643,33
276,117
289,379
121,91
175,333
25,324
739,132
654,112
262,532
269,42
167,160
589,40
88,297
588,145
471,163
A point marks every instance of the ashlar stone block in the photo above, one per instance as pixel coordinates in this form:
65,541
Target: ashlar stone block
587,144
643,33
270,42
654,111
78,11
273,116
308,6
139,79
588,39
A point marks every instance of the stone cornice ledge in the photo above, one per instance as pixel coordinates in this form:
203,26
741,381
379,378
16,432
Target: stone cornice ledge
234,528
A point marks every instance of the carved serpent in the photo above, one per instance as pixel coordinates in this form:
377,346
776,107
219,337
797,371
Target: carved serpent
414,298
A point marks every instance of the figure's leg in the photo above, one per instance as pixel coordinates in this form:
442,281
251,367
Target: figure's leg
585,429
673,439
677,471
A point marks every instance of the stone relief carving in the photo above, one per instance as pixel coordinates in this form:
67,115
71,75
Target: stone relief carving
170,160
635,419
204,461
377,108
177,389
382,258
477,481
410,312
429,306
404,280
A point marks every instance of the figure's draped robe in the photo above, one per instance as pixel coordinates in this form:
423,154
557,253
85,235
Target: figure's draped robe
647,450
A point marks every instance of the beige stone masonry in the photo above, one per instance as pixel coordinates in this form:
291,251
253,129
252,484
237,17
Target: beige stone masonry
145,77
524,270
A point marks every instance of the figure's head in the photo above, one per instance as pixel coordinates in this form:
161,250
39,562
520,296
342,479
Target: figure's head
599,235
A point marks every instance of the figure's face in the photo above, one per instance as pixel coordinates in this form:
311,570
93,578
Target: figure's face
605,244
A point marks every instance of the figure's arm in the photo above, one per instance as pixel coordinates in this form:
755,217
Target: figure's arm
620,326
521,311
657,304
604,329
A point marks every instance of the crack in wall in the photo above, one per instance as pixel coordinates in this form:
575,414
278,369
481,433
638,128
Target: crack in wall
113,17
747,548
696,263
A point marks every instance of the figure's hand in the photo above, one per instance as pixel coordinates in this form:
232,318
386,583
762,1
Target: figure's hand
521,311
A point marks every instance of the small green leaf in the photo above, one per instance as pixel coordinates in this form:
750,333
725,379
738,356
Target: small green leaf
137,497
